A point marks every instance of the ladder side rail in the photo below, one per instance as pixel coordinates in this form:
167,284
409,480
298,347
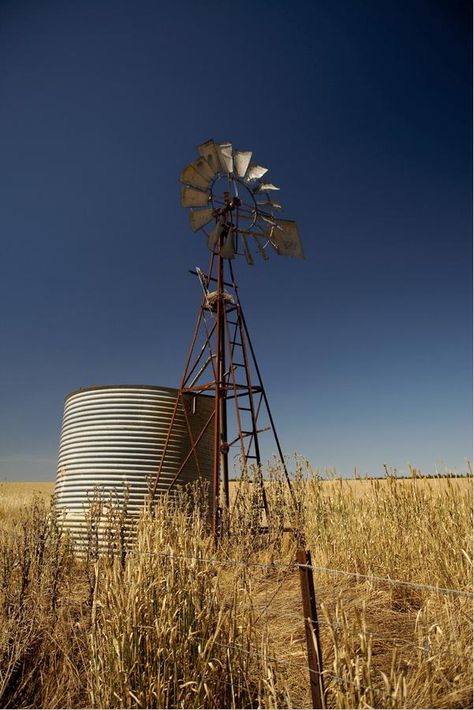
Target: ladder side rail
267,405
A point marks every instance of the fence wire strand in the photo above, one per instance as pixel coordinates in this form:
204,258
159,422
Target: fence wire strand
327,570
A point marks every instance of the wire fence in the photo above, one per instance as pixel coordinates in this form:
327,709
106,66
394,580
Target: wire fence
360,637
327,570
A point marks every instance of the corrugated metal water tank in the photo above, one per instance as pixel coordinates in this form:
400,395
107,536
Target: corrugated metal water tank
112,438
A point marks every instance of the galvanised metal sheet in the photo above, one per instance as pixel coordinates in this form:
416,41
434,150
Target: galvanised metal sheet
112,440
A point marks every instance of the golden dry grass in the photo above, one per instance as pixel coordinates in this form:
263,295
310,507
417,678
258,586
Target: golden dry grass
20,492
15,498
162,627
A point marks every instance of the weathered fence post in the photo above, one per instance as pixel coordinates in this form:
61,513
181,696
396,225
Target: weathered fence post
315,659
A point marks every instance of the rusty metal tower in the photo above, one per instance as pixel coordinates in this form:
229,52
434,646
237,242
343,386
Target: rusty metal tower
225,190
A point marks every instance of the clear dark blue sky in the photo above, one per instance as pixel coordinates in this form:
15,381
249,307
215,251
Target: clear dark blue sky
362,111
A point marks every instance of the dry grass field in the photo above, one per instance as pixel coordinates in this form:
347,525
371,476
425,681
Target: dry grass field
14,496
172,622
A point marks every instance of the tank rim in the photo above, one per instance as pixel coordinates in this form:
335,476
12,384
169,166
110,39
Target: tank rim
95,388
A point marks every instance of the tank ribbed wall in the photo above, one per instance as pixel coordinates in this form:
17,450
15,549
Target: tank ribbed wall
112,440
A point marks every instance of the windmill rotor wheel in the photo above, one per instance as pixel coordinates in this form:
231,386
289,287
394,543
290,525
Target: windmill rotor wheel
234,206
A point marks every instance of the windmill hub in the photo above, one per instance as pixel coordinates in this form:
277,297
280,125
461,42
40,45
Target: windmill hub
238,206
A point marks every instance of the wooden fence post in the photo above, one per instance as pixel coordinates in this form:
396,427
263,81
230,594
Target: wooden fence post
315,660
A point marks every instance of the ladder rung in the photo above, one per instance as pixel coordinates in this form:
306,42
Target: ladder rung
234,342
245,409
245,393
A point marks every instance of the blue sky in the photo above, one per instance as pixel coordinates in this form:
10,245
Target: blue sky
361,110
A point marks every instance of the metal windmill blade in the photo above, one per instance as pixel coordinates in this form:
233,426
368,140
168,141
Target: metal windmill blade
194,198
199,218
215,235
191,176
247,252
224,151
261,249
241,162
269,203
255,172
264,186
228,249
204,167
208,151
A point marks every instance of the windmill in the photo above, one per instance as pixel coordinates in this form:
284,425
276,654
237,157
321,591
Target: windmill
230,201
